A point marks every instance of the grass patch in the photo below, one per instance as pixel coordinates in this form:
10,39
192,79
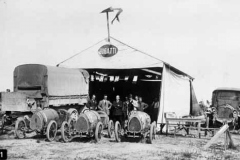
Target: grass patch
180,155
187,154
99,157
17,156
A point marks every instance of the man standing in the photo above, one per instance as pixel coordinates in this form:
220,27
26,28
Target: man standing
136,98
105,105
117,110
132,104
125,108
141,105
92,103
155,106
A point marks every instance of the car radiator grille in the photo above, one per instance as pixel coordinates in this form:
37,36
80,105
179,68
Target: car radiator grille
82,124
224,113
134,125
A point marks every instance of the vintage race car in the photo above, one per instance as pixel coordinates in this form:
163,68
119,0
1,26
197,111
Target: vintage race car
89,124
138,126
44,122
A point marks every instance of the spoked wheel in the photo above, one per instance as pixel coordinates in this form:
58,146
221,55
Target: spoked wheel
110,129
2,123
71,123
66,132
73,113
117,130
98,131
20,127
152,132
144,138
51,130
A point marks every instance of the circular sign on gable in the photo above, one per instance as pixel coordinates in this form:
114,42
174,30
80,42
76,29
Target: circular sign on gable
107,50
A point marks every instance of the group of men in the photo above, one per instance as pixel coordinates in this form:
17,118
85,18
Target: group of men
119,110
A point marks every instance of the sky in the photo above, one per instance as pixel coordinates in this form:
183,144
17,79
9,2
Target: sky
199,37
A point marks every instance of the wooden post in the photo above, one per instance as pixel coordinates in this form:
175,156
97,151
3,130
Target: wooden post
199,129
207,127
108,27
216,136
225,140
167,127
231,144
175,131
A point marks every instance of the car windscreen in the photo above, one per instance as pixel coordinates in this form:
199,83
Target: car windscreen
228,95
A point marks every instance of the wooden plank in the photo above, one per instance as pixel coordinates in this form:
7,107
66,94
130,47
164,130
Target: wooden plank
225,141
184,119
147,80
151,71
202,128
231,144
167,127
216,136
199,130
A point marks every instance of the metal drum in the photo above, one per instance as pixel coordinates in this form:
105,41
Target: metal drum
87,121
138,121
40,119
104,118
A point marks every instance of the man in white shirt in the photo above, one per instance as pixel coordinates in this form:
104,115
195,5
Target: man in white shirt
105,105
132,104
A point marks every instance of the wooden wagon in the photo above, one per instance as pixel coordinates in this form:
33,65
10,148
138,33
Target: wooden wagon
41,94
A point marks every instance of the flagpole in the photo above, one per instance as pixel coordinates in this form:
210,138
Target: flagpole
108,27
110,9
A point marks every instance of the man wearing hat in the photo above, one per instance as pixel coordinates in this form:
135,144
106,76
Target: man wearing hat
141,105
132,104
125,108
92,103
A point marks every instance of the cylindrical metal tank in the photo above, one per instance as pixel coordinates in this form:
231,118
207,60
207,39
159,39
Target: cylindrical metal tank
87,121
138,121
40,119
104,117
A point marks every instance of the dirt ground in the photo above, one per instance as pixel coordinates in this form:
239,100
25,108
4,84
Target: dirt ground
164,147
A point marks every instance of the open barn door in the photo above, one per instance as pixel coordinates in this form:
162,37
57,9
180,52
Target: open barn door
175,94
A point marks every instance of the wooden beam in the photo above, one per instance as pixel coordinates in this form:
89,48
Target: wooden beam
151,71
216,136
231,144
150,80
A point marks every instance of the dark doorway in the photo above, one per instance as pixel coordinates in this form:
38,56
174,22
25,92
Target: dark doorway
147,85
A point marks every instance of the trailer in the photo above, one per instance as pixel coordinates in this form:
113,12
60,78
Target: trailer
38,88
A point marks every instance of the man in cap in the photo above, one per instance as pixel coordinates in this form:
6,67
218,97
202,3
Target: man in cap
92,103
132,104
125,108
141,105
